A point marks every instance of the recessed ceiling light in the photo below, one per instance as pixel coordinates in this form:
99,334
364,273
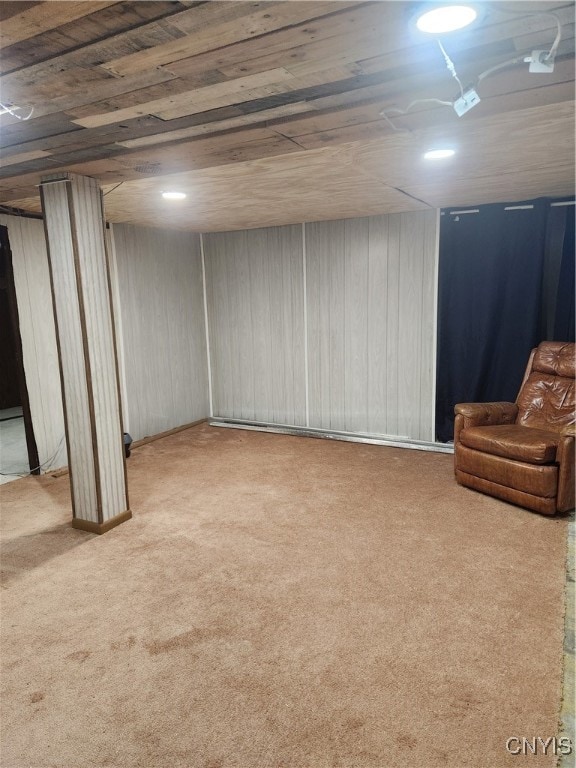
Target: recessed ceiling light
173,195
446,18
438,154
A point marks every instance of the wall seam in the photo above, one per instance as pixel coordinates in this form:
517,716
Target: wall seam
305,304
116,366
117,310
206,327
435,323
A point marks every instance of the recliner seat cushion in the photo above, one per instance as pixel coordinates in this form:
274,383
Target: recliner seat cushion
513,441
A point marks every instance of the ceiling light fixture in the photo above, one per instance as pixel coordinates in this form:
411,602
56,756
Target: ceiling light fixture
439,154
446,18
173,195
449,18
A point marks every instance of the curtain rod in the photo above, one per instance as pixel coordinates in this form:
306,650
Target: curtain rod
508,208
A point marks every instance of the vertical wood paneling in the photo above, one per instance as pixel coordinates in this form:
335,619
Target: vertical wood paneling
40,353
74,375
117,316
250,368
370,315
207,330
356,324
305,292
393,323
334,261
370,291
255,299
409,323
160,297
429,322
91,255
377,391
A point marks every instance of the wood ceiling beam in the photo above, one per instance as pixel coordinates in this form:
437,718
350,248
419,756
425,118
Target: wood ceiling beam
98,26
45,16
238,121
269,18
329,126
193,101
90,54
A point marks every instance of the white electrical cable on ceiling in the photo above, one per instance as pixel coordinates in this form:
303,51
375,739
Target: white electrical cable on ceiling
519,59
556,43
386,112
452,69
12,109
504,64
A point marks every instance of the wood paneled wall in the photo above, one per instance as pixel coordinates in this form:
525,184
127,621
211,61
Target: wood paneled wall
371,287
39,350
160,310
370,319
358,355
255,296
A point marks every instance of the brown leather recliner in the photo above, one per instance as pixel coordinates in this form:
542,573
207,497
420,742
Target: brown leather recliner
523,452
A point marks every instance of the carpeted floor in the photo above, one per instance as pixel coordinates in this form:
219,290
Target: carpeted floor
279,602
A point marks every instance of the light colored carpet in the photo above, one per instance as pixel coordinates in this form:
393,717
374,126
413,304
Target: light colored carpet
279,602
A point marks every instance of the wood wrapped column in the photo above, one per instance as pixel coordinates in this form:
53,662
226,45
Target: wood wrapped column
75,234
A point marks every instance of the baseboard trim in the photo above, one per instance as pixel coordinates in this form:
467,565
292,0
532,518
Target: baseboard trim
90,527
138,443
160,435
325,434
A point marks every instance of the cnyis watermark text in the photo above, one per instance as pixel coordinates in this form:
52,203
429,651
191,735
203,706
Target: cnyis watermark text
538,745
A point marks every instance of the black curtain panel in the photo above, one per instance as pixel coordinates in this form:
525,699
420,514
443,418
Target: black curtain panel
558,321
506,282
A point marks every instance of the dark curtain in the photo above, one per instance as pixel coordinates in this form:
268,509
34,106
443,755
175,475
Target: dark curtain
558,321
506,282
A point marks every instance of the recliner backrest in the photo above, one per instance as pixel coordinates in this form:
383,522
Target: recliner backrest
547,397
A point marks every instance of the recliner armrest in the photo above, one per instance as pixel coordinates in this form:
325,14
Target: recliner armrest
482,415
486,414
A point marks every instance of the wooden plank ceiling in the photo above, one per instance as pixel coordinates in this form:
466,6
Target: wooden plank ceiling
270,112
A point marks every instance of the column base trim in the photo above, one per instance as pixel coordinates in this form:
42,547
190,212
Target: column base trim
90,527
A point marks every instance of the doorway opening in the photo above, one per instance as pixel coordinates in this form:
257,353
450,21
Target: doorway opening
19,455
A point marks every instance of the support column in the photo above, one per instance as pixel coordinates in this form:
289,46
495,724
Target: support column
75,235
